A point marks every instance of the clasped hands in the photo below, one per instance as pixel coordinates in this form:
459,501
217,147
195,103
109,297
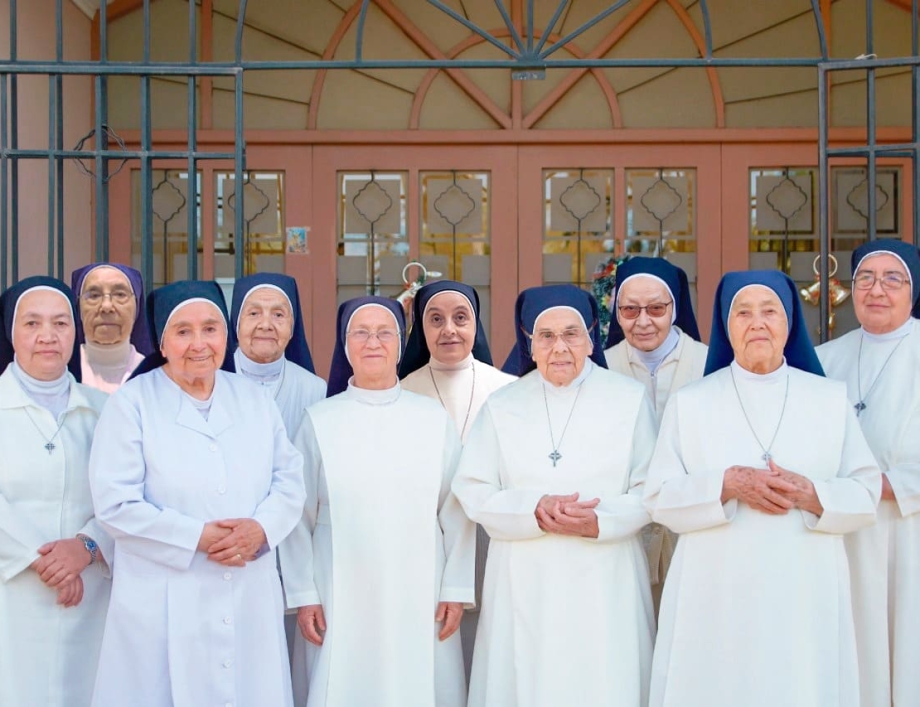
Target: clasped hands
59,567
232,542
774,490
566,515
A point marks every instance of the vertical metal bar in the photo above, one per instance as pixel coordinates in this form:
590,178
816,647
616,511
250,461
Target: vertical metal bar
823,206
871,175
238,190
4,185
147,190
14,144
191,205
359,36
240,23
59,140
529,27
52,112
707,27
819,25
99,162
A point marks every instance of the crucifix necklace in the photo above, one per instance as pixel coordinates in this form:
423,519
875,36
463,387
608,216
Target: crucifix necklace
861,405
766,456
555,455
469,407
49,443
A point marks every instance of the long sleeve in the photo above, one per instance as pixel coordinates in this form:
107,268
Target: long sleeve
849,500
295,553
116,474
19,541
457,582
625,515
682,501
93,529
279,512
506,514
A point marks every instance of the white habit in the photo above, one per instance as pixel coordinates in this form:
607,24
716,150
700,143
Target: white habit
565,620
181,630
684,364
756,609
48,654
885,558
381,542
107,368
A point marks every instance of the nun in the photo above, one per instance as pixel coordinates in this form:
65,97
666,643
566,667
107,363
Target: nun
762,468
194,476
273,350
567,609
880,362
654,338
112,331
54,555
447,358
381,604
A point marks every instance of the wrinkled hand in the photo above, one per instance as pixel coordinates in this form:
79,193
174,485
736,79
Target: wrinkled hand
450,613
804,497
566,515
887,490
762,489
210,534
61,561
70,593
312,623
242,544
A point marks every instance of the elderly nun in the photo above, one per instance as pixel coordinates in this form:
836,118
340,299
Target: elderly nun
112,331
54,576
447,358
880,363
194,476
382,603
654,338
761,467
567,610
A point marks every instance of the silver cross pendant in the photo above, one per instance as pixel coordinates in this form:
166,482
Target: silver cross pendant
49,447
859,407
555,456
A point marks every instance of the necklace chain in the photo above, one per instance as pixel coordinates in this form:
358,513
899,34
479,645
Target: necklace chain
469,406
49,443
555,455
861,405
766,456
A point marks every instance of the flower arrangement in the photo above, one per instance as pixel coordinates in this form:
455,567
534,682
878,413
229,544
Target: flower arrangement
604,282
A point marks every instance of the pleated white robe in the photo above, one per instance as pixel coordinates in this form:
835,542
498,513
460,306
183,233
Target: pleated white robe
183,631
381,542
564,620
683,365
48,654
885,558
757,609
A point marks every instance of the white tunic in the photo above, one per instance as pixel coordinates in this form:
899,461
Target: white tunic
565,620
183,631
110,373
885,558
756,609
48,654
381,542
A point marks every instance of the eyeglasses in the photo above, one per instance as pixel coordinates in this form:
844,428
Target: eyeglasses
95,297
362,336
889,281
655,309
546,339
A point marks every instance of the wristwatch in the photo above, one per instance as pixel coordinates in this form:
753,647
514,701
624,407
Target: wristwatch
91,547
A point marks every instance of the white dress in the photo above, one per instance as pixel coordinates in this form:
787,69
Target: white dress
381,542
183,631
48,654
757,609
565,620
885,558
683,365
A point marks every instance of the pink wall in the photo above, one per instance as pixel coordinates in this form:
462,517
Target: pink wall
36,41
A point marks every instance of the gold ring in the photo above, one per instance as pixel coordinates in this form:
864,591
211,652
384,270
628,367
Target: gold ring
239,556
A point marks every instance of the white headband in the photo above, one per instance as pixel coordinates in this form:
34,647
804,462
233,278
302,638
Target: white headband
445,292
47,288
103,265
395,321
561,306
886,252
766,287
190,300
657,279
262,287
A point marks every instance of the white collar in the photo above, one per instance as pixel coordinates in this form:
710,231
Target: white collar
899,333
